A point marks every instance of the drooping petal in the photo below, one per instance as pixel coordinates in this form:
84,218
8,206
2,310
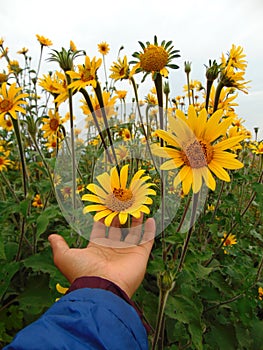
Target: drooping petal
102,214
123,218
219,171
109,218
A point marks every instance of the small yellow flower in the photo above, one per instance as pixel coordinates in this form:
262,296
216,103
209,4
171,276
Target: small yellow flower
103,48
120,69
23,51
260,293
4,162
44,41
10,100
37,202
72,45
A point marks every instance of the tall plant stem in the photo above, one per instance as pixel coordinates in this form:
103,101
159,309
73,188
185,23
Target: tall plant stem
208,91
89,103
141,121
189,233
72,142
105,120
16,126
159,90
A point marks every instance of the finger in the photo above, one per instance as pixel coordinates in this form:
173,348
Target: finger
149,234
134,235
59,247
115,231
98,231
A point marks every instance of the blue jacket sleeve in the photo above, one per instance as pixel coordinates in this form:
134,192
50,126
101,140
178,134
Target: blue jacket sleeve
85,319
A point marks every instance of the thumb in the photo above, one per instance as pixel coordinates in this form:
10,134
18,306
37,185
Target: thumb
59,247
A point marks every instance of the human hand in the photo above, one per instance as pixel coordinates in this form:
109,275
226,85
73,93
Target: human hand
122,262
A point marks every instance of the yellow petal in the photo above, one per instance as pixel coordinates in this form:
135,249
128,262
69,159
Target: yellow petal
124,176
104,181
171,164
123,218
97,190
60,289
219,171
114,177
197,180
102,214
92,198
109,218
93,207
228,143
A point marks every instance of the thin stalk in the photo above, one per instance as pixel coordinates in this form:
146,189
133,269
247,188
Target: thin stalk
16,126
9,187
208,91
141,121
190,231
89,103
105,120
159,90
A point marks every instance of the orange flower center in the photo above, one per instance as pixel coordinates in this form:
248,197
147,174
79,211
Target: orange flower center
2,161
120,199
154,58
5,106
197,154
54,124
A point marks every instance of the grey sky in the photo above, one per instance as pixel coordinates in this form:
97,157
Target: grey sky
201,30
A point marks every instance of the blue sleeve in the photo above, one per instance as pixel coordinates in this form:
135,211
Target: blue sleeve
85,319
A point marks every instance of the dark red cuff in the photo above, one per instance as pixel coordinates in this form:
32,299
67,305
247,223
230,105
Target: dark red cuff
102,283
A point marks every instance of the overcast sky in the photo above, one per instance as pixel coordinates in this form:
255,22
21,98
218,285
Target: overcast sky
201,30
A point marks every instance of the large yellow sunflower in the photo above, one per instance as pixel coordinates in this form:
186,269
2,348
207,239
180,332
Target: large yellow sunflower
86,75
10,100
155,58
115,198
194,145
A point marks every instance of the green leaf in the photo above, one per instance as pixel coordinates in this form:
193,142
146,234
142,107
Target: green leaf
187,311
42,223
2,249
6,274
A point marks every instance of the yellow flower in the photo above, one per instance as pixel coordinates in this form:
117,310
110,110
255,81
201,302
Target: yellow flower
37,202
3,78
155,58
10,100
61,290
4,162
66,192
236,58
72,45
44,41
194,146
260,293
23,51
51,124
86,75
120,69
121,94
13,67
125,134
257,147
103,48
115,198
6,124
231,239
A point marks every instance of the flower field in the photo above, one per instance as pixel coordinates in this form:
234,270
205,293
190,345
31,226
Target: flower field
78,146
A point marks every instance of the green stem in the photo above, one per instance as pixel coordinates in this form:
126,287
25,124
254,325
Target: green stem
163,296
16,126
141,121
217,95
208,91
90,106
190,231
